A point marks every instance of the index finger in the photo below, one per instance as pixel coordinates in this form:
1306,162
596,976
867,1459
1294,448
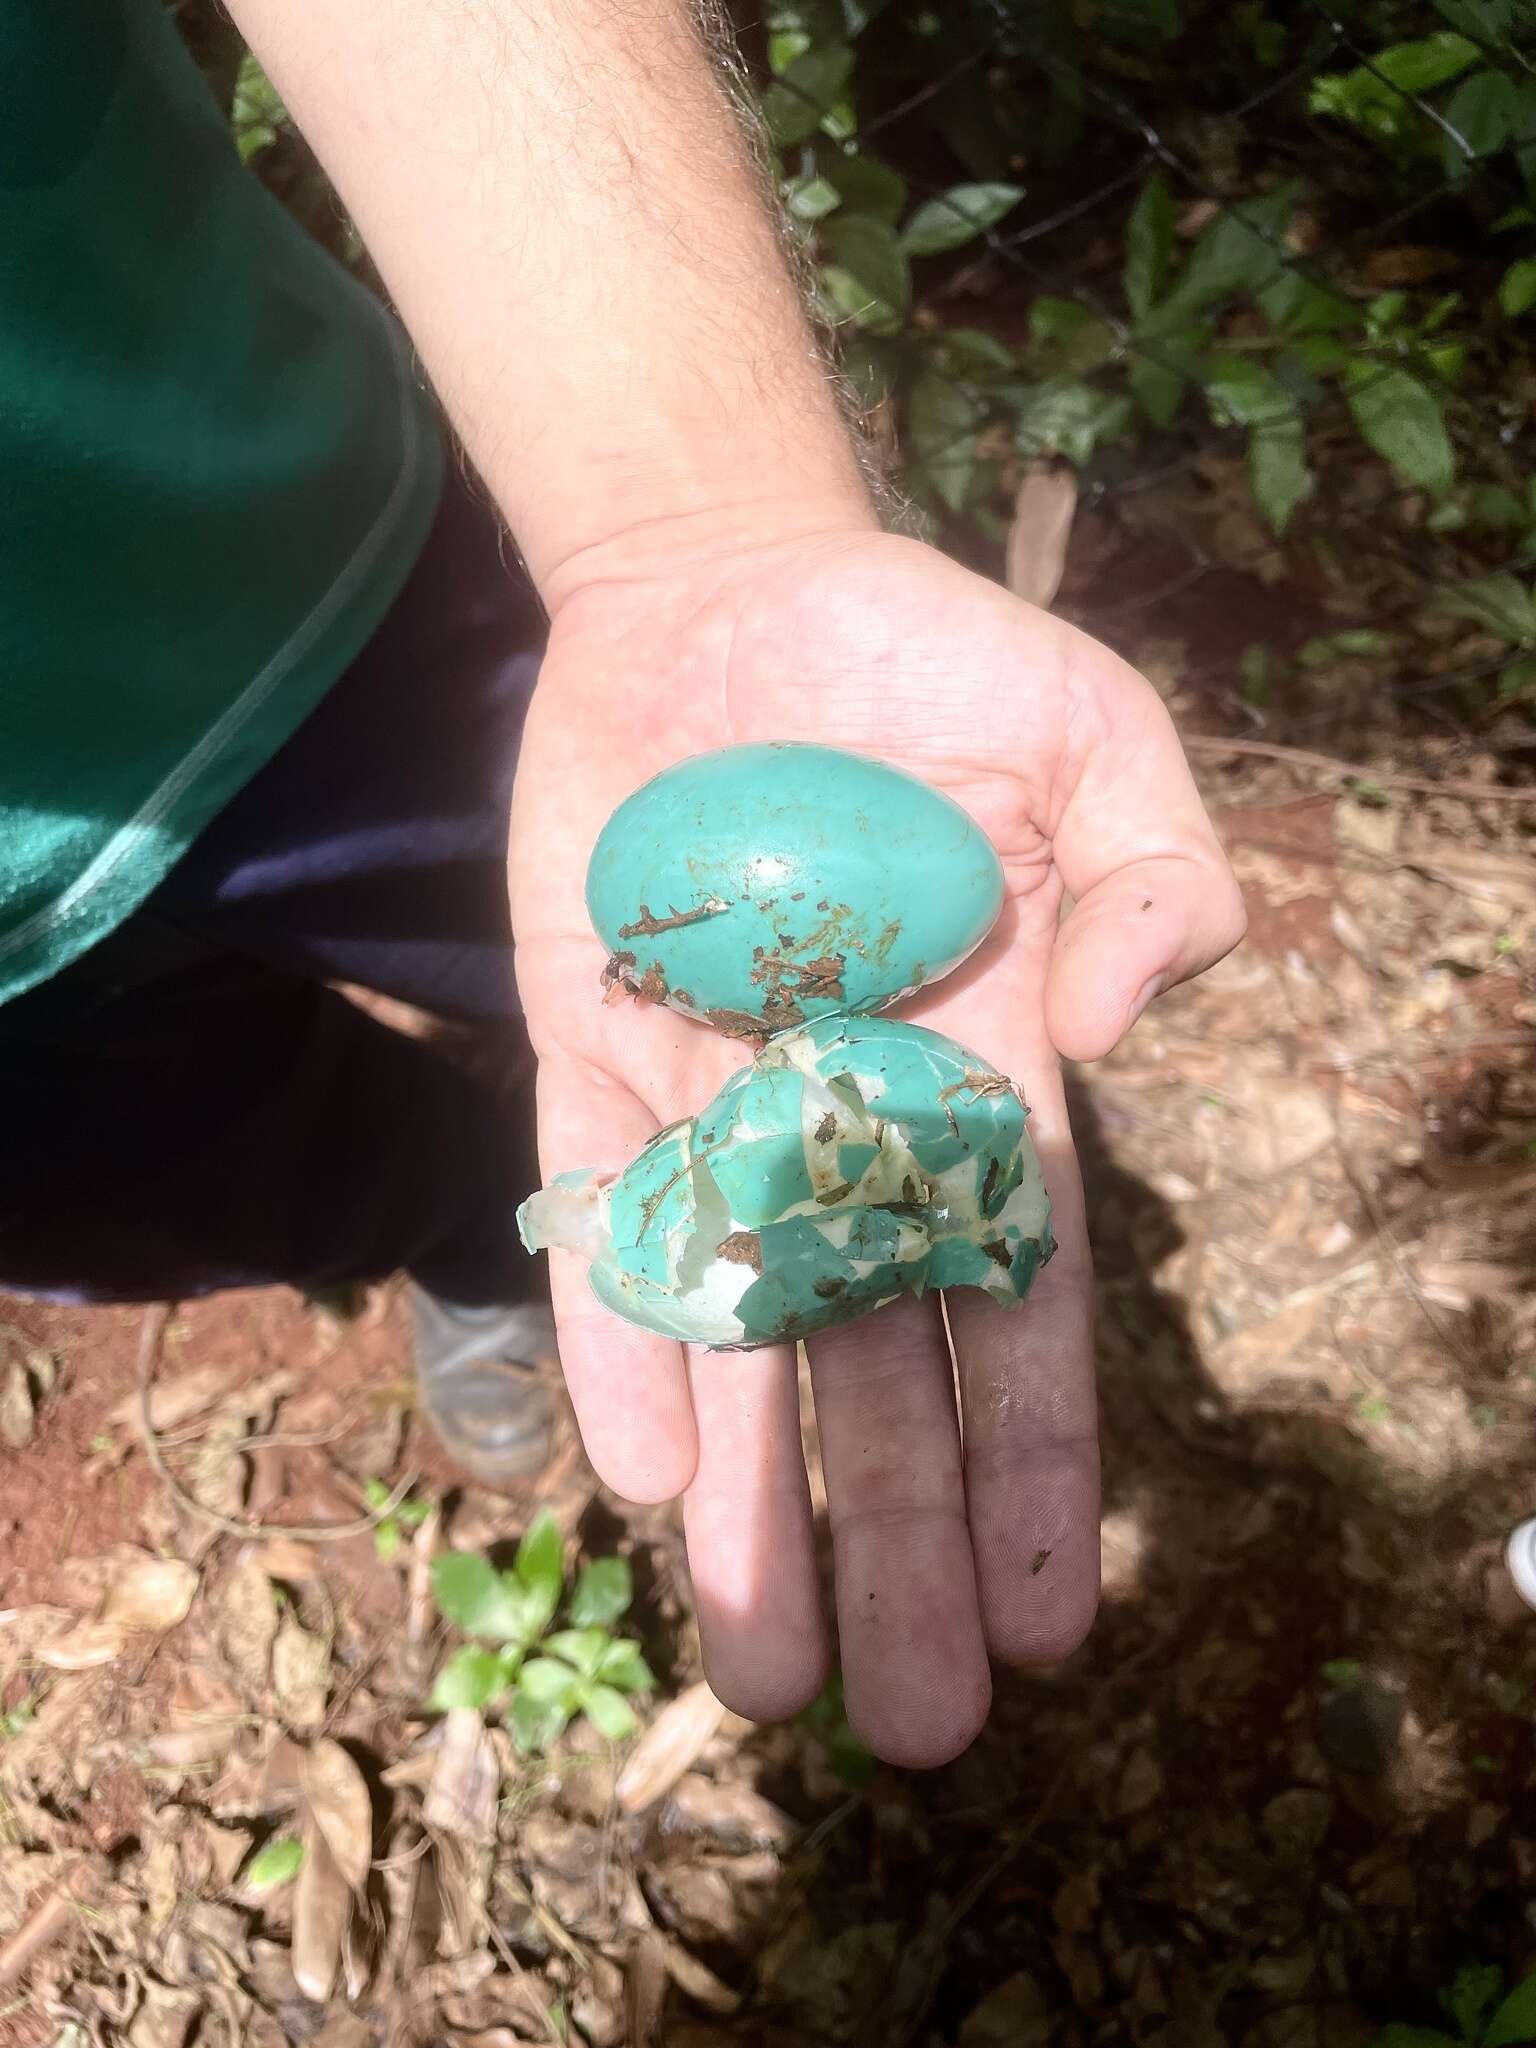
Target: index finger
1155,901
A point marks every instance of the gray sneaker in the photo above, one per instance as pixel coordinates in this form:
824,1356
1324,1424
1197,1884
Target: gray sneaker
477,1373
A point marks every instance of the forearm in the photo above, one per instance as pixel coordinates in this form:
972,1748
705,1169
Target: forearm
560,197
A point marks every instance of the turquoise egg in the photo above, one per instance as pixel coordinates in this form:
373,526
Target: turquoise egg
856,1159
761,887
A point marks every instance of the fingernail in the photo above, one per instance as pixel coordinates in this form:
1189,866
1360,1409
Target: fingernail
1152,988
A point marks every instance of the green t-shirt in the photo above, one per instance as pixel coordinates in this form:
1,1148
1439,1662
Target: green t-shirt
216,470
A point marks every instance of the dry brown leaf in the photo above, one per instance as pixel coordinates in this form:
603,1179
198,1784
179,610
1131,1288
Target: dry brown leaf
149,1593
671,1744
693,1977
1041,530
144,1596
165,2017
461,1799
734,1815
174,1401
645,1990
83,1647
301,1673
18,1418
1141,1784
322,1907
247,1626
1014,2014
337,1802
288,1559
344,2030
199,1742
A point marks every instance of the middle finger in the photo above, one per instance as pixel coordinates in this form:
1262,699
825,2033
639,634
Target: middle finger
915,1671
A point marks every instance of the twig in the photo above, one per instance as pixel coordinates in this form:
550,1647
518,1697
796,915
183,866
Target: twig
151,1337
1326,764
47,1922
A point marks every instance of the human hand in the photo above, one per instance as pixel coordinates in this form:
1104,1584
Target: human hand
1067,760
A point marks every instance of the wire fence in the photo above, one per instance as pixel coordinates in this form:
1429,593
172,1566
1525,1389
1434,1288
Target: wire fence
1206,279
1338,355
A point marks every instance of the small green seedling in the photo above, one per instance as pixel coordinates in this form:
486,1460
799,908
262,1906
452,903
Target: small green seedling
275,1863
389,1531
826,1718
1482,2016
540,1680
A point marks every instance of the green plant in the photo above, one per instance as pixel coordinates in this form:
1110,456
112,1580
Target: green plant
540,1679
1505,608
257,114
275,1863
389,1530
1475,2004
827,1719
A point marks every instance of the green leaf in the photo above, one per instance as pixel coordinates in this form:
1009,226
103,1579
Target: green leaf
1421,66
1484,111
852,1762
257,113
1065,418
1245,393
276,1863
470,1592
1163,18
1278,474
472,1677
1158,389
1401,419
1241,251
1069,340
1297,306
864,183
797,103
1487,21
603,1592
375,1492
535,1724
580,1647
812,198
865,273
539,1567
943,420
1493,505
1148,246
1517,288
1517,679
972,352
957,216
1412,2037
1359,643
1499,603
609,1712
623,1666
545,1679
386,1539
1473,1994
1241,392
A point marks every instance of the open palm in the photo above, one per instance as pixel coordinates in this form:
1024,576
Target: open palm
950,1541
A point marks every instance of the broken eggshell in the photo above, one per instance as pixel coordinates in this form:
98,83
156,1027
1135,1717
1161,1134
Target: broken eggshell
762,886
856,1159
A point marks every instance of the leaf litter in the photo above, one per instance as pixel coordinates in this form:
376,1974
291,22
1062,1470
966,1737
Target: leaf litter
1313,1202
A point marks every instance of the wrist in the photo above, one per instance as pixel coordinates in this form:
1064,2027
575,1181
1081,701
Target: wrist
699,530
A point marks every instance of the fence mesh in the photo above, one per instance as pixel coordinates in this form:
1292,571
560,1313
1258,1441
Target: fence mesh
1263,277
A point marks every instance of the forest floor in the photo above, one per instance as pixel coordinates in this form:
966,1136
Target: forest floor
1280,1796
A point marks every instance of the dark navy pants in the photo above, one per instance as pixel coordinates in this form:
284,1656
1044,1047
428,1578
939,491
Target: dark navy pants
194,1105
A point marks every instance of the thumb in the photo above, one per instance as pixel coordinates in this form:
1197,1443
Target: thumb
1155,899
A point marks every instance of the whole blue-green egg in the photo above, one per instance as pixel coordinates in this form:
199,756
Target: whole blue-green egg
762,886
